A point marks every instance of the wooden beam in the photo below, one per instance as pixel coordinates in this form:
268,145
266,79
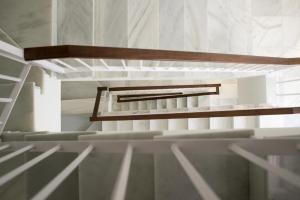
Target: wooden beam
204,114
97,100
91,52
162,87
169,96
146,95
119,191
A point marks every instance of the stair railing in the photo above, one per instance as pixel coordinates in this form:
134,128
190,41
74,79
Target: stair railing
17,54
252,150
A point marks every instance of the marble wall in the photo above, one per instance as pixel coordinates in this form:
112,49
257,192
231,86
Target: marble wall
28,22
259,27
75,22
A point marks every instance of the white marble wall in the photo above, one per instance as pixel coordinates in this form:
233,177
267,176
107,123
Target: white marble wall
143,26
27,22
75,22
260,27
171,27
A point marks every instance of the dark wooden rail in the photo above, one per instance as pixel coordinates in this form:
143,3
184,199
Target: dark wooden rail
170,96
157,87
146,95
205,114
163,87
92,52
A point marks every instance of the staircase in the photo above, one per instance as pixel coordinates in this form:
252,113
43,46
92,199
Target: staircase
187,104
11,100
208,165
14,71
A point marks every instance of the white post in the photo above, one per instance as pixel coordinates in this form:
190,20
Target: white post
4,147
9,78
105,64
198,181
15,153
84,64
65,64
119,192
54,183
124,64
14,173
282,173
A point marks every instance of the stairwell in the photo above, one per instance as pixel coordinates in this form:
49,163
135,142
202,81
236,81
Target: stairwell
226,100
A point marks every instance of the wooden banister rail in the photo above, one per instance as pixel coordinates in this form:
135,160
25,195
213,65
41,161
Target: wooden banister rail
162,87
157,87
92,52
170,96
204,114
181,115
147,95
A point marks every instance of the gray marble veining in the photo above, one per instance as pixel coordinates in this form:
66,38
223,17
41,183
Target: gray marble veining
291,8
195,25
171,24
266,8
239,30
171,27
268,27
75,22
110,25
143,25
291,34
27,22
218,26
267,36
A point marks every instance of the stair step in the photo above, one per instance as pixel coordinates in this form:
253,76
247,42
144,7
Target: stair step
5,100
9,78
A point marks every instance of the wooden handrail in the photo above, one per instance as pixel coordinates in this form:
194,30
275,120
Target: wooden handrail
162,87
147,95
157,87
204,114
169,96
92,52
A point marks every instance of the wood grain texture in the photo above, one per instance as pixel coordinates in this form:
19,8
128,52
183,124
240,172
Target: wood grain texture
89,52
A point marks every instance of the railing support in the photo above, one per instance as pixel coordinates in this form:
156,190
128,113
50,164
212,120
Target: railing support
16,153
290,177
4,147
14,95
14,173
198,181
54,183
119,192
